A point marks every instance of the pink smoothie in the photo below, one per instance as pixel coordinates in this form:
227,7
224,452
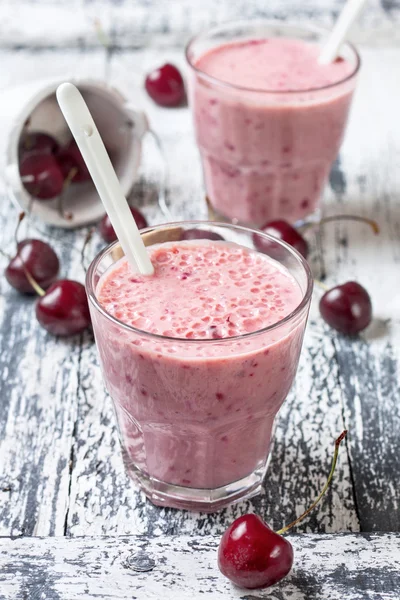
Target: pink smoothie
269,125
196,410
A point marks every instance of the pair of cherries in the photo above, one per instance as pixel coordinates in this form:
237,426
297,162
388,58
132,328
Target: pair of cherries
46,168
62,307
346,307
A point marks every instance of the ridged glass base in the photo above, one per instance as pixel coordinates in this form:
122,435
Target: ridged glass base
189,498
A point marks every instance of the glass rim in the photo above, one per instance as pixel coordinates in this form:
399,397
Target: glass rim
91,292
232,86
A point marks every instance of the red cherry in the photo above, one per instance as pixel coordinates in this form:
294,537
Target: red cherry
64,309
347,308
251,555
200,234
282,231
165,86
41,176
37,142
69,158
39,259
107,230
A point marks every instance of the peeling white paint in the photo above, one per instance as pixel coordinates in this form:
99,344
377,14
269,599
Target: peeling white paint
56,407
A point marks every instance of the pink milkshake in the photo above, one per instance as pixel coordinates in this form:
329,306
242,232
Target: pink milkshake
269,120
198,359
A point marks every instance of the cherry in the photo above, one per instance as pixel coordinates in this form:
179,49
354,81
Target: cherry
347,308
69,158
165,86
39,259
282,231
37,142
63,310
41,176
200,234
252,555
107,230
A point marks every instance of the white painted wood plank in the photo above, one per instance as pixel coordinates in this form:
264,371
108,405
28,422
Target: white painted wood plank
355,567
103,500
369,368
39,375
70,22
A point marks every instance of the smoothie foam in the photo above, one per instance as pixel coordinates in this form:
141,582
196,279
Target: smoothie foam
193,413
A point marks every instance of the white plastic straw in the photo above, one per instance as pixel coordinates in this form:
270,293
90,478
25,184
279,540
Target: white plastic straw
339,32
94,154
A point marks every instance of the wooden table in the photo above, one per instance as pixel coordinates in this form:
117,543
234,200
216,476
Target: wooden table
61,472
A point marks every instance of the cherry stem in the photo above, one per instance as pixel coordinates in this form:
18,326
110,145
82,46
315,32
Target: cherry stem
101,34
66,184
328,481
373,224
2,253
321,285
210,210
69,178
39,290
88,237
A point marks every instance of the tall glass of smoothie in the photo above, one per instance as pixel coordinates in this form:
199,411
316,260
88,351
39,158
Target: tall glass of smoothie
199,357
269,120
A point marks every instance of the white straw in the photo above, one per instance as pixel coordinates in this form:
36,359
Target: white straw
339,32
94,154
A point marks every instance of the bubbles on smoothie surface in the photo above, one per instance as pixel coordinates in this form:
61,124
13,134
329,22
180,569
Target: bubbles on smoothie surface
201,289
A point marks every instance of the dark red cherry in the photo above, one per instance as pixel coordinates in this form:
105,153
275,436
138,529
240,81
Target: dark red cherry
41,176
37,142
107,232
70,158
282,231
39,259
251,555
64,309
165,86
200,234
347,308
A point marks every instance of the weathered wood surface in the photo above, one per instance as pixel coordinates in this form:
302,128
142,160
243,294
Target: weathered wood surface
355,567
60,466
64,23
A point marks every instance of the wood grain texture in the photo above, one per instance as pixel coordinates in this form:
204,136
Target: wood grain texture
60,465
131,24
355,567
369,367
39,374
